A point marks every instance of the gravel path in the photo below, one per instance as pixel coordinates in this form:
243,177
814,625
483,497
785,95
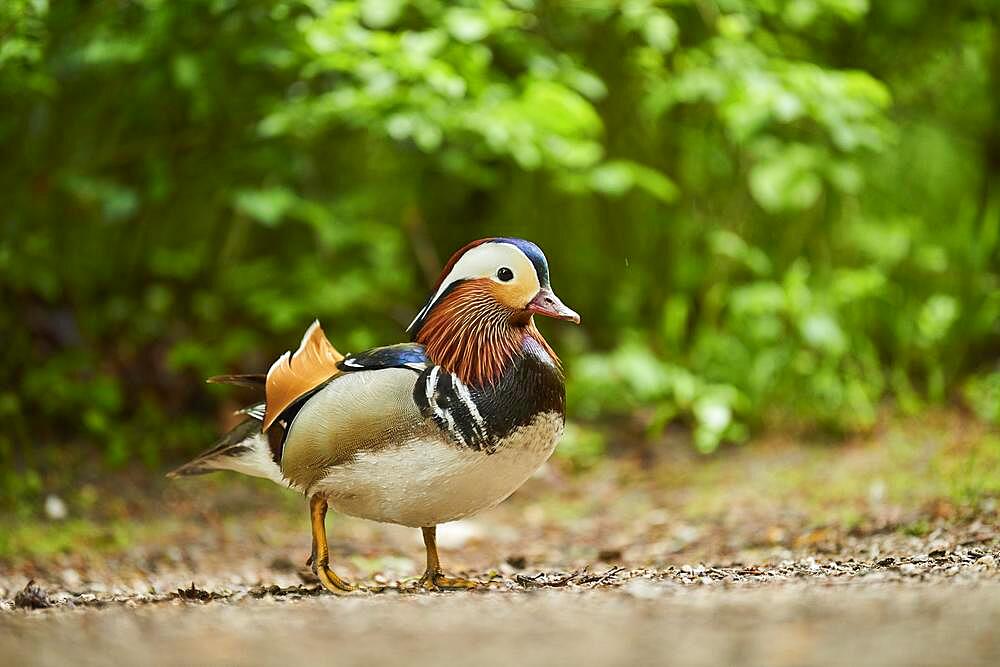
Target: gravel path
614,568
643,622
935,608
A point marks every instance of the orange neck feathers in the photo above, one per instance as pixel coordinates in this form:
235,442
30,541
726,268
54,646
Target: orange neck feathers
470,334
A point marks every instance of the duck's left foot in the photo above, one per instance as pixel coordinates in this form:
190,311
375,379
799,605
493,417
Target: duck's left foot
320,558
436,581
331,582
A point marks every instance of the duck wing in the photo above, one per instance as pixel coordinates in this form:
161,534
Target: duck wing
369,406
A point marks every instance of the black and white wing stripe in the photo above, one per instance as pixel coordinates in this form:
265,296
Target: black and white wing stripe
447,400
255,411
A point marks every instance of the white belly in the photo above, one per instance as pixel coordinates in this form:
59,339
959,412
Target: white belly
427,482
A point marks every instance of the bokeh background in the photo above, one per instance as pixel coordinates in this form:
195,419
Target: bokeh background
771,214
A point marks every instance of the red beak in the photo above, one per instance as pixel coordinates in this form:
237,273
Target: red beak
548,304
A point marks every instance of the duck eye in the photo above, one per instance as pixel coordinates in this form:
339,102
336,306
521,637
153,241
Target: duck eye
505,274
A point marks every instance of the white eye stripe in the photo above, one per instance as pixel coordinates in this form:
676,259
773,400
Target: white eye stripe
484,261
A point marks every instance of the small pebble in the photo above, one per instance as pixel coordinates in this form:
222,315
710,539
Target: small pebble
31,597
644,589
55,508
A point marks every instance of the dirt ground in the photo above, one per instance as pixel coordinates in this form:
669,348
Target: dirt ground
872,553
645,622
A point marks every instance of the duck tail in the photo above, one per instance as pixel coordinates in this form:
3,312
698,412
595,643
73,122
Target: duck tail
254,380
254,446
245,449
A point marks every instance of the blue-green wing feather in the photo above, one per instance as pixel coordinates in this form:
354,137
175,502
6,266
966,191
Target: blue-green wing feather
405,355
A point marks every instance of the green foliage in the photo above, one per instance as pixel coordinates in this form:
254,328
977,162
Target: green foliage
982,392
763,208
582,447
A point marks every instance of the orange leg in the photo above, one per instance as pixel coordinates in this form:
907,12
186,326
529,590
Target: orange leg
321,552
433,580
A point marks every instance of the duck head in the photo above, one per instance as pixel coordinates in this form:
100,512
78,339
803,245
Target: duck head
480,315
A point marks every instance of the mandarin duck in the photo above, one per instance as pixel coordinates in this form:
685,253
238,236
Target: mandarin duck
417,433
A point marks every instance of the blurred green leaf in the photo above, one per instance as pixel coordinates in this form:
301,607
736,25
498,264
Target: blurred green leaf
617,177
267,206
467,25
936,317
982,392
787,180
660,31
381,13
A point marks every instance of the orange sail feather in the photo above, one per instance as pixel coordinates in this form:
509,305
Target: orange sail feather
294,375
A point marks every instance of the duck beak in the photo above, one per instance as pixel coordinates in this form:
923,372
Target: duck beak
548,304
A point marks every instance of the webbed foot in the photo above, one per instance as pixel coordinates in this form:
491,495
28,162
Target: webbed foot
331,582
436,581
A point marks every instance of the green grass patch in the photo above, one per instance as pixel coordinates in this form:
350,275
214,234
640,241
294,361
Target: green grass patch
77,536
